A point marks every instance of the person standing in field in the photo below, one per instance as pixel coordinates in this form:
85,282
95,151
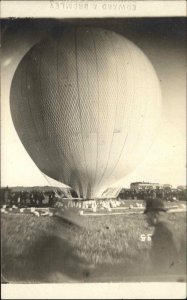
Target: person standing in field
167,252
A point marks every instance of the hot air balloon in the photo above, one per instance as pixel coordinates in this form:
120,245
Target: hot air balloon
86,105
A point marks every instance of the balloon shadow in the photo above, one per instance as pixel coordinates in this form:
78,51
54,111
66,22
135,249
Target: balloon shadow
51,258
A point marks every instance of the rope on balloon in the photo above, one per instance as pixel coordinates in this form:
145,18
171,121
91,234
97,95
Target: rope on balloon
53,187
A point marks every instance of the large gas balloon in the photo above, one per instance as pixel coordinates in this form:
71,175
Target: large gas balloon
86,106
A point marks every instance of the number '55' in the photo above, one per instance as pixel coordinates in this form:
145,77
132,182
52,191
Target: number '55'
145,237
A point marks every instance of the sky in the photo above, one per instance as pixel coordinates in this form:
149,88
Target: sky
162,40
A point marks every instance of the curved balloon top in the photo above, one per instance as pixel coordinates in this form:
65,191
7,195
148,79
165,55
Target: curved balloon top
86,106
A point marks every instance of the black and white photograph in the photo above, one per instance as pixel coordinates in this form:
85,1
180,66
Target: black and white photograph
93,150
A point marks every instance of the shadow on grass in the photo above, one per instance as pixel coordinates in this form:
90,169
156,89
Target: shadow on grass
49,256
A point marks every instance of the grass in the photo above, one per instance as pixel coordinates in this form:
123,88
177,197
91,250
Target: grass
50,249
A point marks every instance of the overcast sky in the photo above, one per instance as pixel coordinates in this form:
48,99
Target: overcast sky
162,40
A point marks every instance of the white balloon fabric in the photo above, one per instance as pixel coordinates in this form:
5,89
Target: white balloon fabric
86,106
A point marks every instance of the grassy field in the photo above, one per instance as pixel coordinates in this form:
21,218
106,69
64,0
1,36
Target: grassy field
50,249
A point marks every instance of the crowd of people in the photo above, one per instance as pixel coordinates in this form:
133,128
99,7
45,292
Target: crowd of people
55,198
165,194
30,198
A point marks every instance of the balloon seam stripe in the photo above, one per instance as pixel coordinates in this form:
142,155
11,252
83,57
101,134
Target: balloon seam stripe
79,104
41,92
98,95
116,108
58,87
29,106
127,133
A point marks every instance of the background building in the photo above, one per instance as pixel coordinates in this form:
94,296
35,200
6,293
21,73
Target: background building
145,185
182,187
167,186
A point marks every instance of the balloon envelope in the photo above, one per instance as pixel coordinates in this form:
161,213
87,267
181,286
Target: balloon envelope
86,106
